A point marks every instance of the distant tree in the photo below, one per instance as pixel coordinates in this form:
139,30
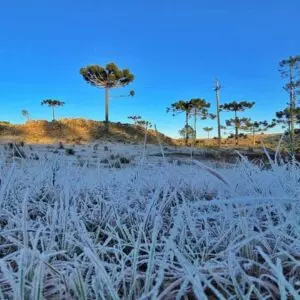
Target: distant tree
135,118
107,77
130,94
25,114
187,130
284,117
52,103
144,123
290,68
208,130
255,127
236,122
199,109
182,107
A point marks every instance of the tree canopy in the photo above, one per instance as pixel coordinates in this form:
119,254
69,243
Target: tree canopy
109,76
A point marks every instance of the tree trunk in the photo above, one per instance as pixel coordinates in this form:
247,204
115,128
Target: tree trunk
236,130
253,137
218,113
292,106
53,114
186,128
106,104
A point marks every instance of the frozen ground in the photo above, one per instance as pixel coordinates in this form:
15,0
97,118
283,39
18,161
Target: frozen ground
90,228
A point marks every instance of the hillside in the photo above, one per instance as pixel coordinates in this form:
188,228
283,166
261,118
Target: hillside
76,131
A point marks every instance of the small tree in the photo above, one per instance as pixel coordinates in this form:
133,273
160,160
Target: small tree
144,123
107,77
25,114
236,122
290,68
208,130
182,107
187,130
135,118
255,127
53,104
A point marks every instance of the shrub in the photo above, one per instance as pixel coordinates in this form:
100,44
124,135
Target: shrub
124,160
70,151
60,145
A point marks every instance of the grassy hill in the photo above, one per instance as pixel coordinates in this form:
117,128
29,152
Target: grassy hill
76,131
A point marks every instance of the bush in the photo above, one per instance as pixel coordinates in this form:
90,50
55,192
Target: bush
70,151
124,160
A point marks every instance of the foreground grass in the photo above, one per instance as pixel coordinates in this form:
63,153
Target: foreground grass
150,231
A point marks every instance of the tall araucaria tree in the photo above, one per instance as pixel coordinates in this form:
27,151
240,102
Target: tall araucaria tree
185,107
200,110
236,122
52,103
290,68
107,77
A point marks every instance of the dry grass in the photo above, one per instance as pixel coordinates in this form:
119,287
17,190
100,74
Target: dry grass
76,131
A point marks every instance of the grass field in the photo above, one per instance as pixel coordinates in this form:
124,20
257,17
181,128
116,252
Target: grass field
146,228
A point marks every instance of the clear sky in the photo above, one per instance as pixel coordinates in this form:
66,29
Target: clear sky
176,49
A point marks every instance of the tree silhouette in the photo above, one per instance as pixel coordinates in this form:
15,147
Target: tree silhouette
107,77
182,107
236,122
135,118
25,114
187,130
284,117
254,127
52,103
199,109
290,68
208,130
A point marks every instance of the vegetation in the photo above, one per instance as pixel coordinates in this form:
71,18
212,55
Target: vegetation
187,131
25,114
255,127
290,68
107,77
237,122
208,130
135,118
52,103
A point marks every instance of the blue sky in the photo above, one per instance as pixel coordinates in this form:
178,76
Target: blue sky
176,49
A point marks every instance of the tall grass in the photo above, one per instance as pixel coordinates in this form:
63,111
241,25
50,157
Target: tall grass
148,232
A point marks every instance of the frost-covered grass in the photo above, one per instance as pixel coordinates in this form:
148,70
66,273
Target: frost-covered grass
151,231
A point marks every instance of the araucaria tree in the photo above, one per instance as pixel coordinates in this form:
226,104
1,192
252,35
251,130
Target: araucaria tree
200,110
290,68
284,117
196,107
237,122
182,107
52,103
25,114
208,130
107,77
255,127
135,118
187,130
